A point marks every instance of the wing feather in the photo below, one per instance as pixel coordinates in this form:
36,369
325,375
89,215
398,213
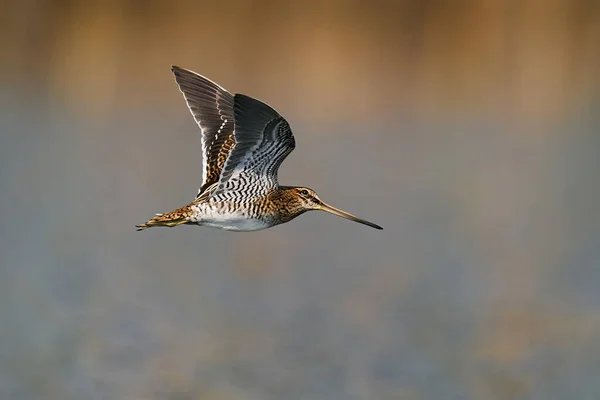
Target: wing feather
263,140
212,109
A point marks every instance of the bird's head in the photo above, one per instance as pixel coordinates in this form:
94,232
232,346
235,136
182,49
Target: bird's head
302,199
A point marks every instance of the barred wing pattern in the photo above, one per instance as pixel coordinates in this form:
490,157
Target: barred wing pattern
263,140
212,108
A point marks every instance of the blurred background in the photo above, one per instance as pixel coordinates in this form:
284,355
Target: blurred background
467,128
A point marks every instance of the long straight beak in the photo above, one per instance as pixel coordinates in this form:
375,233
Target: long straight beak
343,214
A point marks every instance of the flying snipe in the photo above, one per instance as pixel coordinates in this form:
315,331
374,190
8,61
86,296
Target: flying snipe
244,141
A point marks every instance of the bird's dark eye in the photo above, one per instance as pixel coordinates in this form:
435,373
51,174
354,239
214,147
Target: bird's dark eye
304,192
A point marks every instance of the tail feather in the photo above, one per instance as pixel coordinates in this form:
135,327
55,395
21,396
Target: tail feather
170,219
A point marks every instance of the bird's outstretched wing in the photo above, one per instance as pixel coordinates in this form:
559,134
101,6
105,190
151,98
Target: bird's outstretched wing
212,108
263,139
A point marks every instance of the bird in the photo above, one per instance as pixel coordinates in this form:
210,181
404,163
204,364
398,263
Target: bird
244,141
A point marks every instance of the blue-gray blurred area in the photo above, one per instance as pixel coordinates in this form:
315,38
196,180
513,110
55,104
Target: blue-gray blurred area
468,129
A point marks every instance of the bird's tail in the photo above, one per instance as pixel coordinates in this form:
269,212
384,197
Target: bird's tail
170,219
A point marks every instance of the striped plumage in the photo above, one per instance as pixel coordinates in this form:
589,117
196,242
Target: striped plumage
244,141
212,109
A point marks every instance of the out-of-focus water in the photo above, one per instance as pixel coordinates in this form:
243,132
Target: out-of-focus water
470,133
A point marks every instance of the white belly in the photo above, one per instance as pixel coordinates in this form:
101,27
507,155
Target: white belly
231,222
235,224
